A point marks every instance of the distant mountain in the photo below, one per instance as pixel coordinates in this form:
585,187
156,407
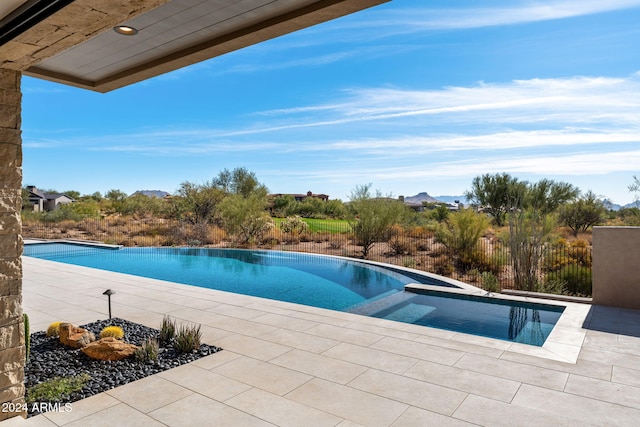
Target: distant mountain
420,198
616,207
425,197
151,193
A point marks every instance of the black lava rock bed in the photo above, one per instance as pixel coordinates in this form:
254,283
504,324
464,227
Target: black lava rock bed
49,359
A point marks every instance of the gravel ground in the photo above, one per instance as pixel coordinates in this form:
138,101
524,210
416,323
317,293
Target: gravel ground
49,359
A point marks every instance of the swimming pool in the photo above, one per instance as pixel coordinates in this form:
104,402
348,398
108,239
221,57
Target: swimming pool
320,281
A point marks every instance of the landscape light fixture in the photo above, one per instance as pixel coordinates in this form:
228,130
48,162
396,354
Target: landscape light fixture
108,293
125,30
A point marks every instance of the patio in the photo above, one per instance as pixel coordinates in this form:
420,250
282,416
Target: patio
286,364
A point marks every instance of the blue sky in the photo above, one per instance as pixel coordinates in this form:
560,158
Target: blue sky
409,96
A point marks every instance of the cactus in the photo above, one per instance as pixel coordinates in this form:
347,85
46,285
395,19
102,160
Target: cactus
54,329
112,331
27,336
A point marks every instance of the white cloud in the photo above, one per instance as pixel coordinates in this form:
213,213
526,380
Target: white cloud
555,103
430,19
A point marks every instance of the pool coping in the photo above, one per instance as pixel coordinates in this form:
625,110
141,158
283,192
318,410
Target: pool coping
306,362
565,340
563,343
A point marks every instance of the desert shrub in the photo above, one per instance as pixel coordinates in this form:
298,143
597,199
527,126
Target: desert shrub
399,241
461,234
438,249
489,282
294,225
148,350
112,331
409,263
147,241
322,236
576,279
552,286
423,244
56,389
188,339
400,246
54,329
420,232
336,241
442,265
473,275
558,257
167,329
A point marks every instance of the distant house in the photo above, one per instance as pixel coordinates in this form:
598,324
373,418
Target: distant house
301,197
46,201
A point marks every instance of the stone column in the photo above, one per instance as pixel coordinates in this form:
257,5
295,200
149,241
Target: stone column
12,350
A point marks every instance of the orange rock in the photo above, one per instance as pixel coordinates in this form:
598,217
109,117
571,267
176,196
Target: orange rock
74,336
109,348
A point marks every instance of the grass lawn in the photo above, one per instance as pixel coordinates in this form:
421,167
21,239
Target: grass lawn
320,225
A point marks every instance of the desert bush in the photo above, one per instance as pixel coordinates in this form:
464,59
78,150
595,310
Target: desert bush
442,265
336,241
576,279
399,241
188,339
112,331
409,263
147,241
294,225
552,286
461,234
322,236
473,275
420,232
167,330
148,350
401,246
558,257
423,244
489,282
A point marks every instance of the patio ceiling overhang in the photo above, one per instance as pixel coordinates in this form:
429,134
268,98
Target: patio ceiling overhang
77,45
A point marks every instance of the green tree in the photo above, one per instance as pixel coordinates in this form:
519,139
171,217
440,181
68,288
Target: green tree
75,195
374,216
238,181
583,213
335,209
196,203
116,195
495,194
246,217
283,206
440,212
546,195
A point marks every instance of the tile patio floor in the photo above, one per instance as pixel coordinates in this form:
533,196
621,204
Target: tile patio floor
290,365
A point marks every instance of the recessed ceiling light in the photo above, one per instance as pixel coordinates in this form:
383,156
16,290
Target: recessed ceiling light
125,30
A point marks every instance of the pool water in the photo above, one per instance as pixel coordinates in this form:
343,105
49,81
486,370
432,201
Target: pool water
318,281
509,320
307,279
